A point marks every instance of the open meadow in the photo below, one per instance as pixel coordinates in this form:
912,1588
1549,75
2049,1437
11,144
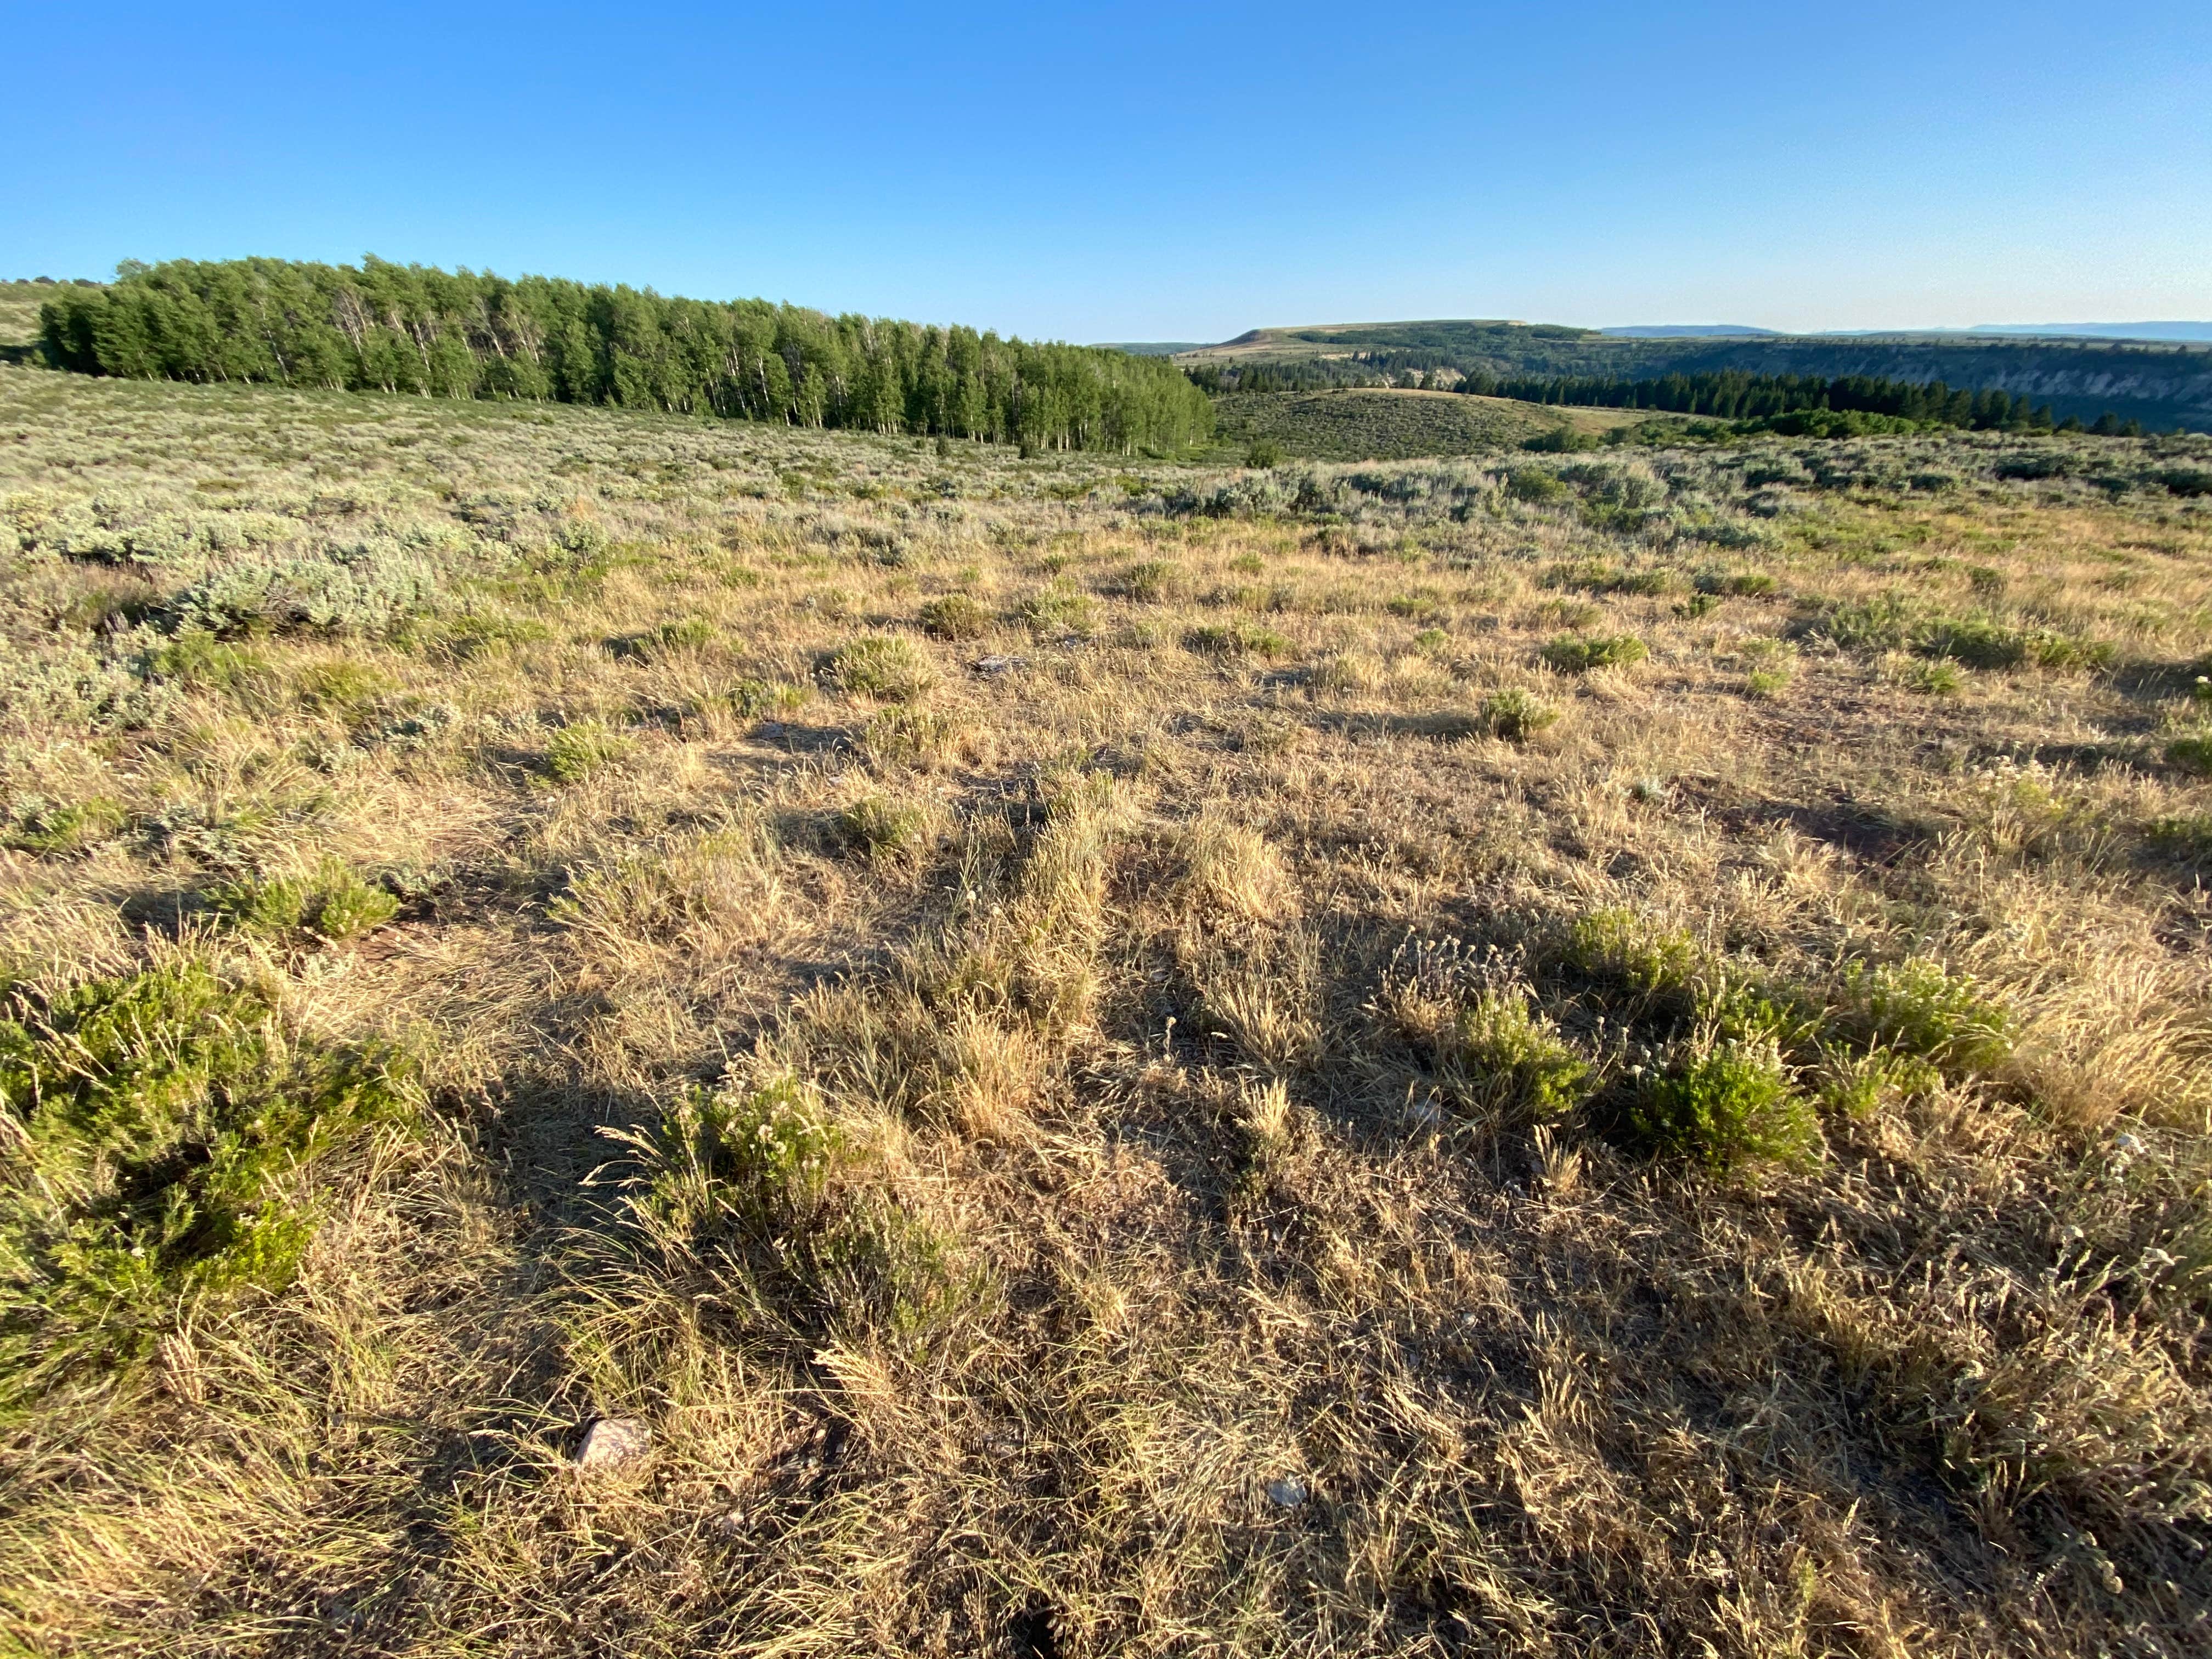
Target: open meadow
1541,1054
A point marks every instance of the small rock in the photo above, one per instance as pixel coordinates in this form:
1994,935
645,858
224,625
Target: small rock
995,663
612,1440
1286,1492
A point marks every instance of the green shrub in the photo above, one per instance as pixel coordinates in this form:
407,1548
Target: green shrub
1616,947
685,633
1533,483
1723,1104
955,617
55,829
759,1190
760,1160
2186,833
1516,715
1886,621
1263,451
882,828
348,906
1578,654
575,752
161,1122
751,699
889,666
2192,755
1506,1060
1918,1007
342,689
1933,679
195,657
1764,684
1054,612
1152,580
334,902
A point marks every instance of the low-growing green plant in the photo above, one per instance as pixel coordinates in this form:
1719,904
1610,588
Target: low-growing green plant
1056,611
196,657
1262,453
575,752
1533,483
752,699
955,617
757,1191
1919,1007
160,1124
2192,755
1619,948
684,634
883,828
1764,685
1578,654
1515,715
1939,679
1504,1061
889,666
334,902
58,828
1152,580
342,687
1723,1103
2189,833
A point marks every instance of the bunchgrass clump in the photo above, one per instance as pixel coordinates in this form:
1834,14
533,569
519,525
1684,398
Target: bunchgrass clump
882,828
955,617
1515,715
1578,654
888,667
576,752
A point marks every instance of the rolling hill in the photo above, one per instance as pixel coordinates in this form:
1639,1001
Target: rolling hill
2163,384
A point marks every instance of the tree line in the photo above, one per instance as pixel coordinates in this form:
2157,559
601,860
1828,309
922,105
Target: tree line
381,326
1736,395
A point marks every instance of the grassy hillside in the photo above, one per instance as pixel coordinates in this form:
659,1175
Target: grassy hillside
19,311
1383,424
2162,385
629,1034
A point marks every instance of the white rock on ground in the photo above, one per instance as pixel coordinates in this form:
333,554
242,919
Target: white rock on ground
612,1440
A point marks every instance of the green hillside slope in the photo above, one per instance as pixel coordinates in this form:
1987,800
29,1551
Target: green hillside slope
2159,383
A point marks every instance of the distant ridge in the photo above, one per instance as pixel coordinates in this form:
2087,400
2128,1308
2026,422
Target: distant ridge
1687,332
2101,331
1150,348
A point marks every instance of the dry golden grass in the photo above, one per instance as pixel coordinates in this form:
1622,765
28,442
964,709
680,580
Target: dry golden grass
1141,1126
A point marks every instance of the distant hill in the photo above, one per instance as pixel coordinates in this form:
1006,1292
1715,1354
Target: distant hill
2101,331
2162,383
1150,348
1360,424
1684,332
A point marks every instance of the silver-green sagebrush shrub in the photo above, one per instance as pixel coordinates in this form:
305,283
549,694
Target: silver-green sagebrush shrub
157,1128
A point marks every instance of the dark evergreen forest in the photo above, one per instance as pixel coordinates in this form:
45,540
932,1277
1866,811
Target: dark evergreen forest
1733,395
386,327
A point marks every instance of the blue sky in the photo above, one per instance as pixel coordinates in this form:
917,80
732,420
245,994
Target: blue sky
1144,171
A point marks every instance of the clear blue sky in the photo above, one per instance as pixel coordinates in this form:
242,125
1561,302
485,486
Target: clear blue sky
1155,170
